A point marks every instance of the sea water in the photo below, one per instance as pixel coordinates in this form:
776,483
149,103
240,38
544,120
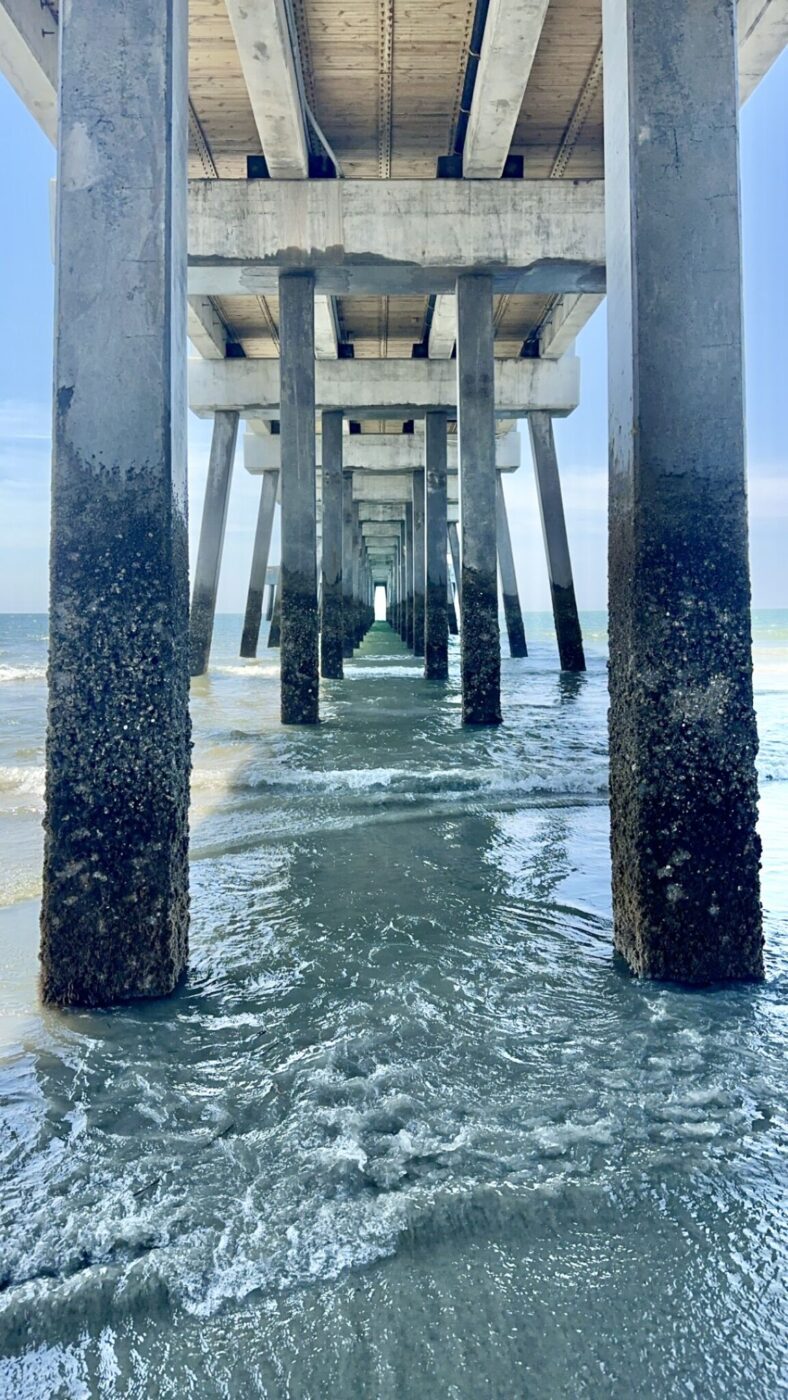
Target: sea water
408,1128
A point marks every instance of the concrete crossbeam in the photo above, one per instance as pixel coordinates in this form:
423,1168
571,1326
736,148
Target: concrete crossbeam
511,36
370,237
386,452
384,388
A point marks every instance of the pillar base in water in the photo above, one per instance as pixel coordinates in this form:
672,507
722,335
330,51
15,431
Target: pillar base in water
298,653
481,649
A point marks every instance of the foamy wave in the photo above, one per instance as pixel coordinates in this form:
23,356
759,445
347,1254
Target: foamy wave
23,780
403,782
22,673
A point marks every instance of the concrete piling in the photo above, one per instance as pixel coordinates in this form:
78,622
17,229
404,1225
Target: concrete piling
331,621
479,635
115,902
260,550
298,570
209,553
515,628
275,630
348,522
451,608
409,576
454,547
556,544
418,489
683,740
436,619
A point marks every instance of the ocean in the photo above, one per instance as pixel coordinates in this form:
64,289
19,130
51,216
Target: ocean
408,1128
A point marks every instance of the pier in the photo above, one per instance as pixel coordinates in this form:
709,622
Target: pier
381,231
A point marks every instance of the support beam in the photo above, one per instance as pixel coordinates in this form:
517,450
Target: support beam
443,331
418,562
114,916
567,319
29,59
682,727
511,597
331,599
480,640
298,573
326,334
436,622
511,35
209,553
556,544
396,237
260,551
206,329
263,42
763,34
384,388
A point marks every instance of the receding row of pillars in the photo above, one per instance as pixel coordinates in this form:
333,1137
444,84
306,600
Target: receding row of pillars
685,851
314,639
419,590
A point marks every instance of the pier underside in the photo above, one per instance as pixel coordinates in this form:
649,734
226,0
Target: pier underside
382,227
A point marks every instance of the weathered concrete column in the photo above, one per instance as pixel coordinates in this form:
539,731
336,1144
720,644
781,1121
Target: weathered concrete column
358,618
454,546
115,906
511,597
402,627
298,571
262,544
417,490
331,604
436,620
269,602
209,553
479,636
348,611
682,728
450,607
409,576
275,630
556,544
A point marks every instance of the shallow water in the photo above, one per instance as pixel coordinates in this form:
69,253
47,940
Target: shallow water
407,1129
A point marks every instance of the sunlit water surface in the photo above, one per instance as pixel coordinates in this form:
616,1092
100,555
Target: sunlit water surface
407,1129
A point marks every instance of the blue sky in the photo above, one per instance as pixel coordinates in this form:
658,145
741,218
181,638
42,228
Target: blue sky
26,294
